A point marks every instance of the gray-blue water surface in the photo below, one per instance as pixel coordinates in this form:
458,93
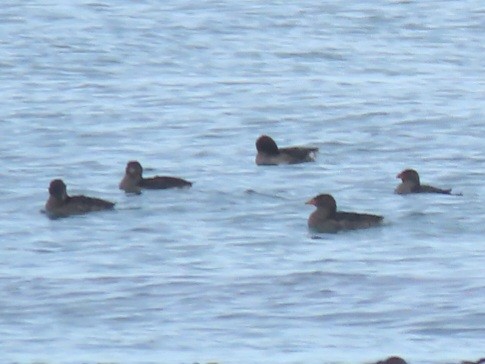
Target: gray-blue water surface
227,271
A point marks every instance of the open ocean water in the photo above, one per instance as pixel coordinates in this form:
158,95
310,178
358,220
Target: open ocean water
227,272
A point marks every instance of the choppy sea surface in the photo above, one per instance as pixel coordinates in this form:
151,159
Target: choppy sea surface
227,271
